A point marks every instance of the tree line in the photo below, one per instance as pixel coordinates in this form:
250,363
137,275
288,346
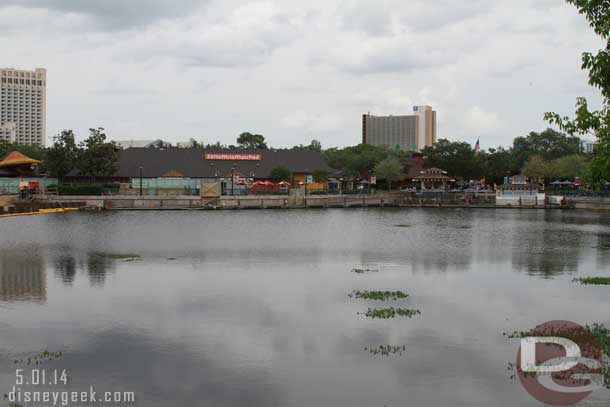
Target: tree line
541,156
93,157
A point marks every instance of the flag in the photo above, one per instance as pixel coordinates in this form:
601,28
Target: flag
477,147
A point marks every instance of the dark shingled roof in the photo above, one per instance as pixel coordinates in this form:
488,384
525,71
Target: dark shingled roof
191,162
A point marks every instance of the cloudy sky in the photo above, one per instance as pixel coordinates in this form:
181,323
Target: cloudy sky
296,71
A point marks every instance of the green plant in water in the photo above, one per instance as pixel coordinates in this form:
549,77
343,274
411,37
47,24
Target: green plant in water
124,257
387,350
378,295
596,336
364,271
593,280
39,358
389,313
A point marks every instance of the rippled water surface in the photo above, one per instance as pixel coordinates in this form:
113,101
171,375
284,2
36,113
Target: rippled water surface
251,308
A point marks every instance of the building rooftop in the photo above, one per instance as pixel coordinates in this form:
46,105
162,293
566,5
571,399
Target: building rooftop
192,162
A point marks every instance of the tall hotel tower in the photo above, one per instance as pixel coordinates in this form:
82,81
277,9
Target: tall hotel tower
23,106
409,133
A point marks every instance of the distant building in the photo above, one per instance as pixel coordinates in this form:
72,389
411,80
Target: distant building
187,144
23,105
164,169
409,133
8,132
124,144
587,146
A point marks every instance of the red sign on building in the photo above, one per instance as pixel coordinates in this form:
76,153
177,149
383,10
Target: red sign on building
232,157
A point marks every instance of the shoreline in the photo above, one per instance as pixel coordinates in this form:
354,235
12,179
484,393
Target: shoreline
59,204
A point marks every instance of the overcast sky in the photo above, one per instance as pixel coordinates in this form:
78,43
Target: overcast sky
298,70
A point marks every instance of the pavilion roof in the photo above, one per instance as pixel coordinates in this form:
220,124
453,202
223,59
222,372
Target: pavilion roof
15,158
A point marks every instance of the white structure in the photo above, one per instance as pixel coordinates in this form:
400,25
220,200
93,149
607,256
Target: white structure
519,193
8,132
23,104
158,143
409,133
587,146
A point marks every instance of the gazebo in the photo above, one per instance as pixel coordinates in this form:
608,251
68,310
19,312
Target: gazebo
16,164
432,177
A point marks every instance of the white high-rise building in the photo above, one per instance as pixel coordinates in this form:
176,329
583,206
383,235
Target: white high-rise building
409,133
23,106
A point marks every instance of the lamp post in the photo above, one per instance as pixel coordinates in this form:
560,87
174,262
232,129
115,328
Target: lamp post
141,169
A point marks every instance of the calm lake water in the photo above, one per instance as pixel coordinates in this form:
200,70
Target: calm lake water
251,308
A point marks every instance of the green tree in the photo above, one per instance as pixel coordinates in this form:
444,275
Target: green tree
252,141
538,169
389,170
457,158
497,163
569,167
315,145
98,157
195,144
356,161
62,157
320,176
588,122
549,144
281,173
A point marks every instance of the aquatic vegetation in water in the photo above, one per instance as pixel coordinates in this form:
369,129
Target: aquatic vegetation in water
595,337
123,257
378,295
39,358
364,271
387,350
389,313
593,280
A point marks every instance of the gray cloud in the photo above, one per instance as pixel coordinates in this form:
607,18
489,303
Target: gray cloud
384,16
295,71
116,14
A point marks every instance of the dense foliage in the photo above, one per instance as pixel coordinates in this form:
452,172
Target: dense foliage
593,122
252,141
389,170
545,155
97,157
61,158
361,160
281,173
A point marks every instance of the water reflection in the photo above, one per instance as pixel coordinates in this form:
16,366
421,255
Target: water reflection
253,308
22,277
95,266
98,266
65,268
547,252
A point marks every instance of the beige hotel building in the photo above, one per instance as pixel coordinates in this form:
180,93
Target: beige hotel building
409,133
23,106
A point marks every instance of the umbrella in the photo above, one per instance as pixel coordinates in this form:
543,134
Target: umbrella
556,182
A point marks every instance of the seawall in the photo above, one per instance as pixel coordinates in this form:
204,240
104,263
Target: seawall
131,202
